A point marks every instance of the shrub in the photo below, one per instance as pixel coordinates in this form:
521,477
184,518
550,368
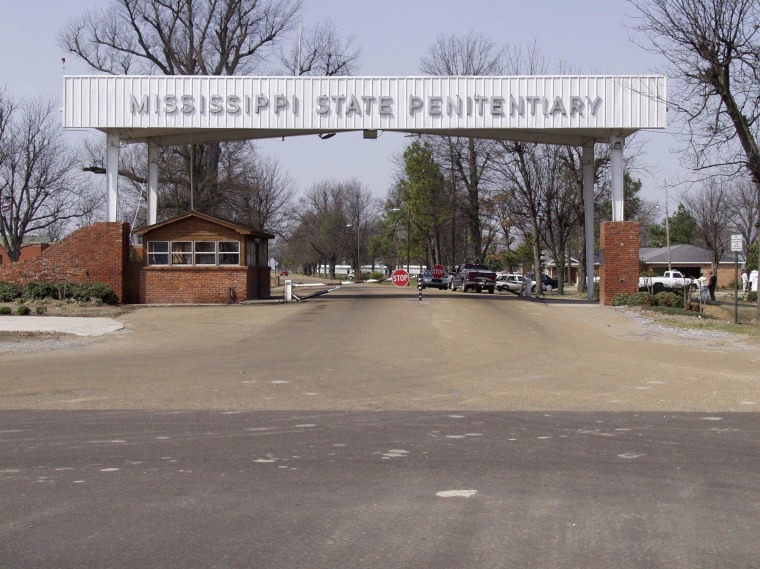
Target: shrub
94,291
5,310
377,275
636,299
621,299
23,310
752,296
8,292
39,290
669,299
41,309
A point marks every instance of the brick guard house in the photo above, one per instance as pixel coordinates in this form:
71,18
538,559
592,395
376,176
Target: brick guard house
196,258
193,258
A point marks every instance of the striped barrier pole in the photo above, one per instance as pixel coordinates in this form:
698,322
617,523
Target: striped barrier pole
419,287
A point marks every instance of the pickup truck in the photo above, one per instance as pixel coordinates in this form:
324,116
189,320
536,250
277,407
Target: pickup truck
472,276
670,279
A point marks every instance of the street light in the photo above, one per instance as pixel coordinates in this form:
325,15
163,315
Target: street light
358,262
408,231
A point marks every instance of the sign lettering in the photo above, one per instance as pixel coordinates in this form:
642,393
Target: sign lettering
350,105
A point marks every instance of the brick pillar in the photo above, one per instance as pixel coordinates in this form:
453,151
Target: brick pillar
620,270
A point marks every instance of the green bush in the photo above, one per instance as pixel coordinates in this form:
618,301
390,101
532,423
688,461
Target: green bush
23,310
39,290
377,275
669,299
94,291
41,309
8,292
621,299
752,296
5,310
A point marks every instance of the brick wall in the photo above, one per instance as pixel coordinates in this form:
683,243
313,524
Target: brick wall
95,253
27,252
620,271
187,285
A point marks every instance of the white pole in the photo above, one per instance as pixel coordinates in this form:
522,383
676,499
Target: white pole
288,291
617,144
153,150
113,141
588,212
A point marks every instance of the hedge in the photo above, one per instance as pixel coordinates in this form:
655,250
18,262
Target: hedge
92,291
668,299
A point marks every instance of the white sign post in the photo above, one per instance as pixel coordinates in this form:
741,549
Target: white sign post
737,245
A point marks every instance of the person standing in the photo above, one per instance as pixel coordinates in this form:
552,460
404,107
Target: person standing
711,284
745,283
702,282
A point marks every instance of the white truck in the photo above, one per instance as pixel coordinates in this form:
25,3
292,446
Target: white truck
670,279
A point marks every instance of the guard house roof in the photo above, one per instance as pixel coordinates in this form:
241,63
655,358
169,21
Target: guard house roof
194,214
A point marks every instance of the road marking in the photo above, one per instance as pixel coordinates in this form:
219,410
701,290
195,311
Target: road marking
456,493
630,455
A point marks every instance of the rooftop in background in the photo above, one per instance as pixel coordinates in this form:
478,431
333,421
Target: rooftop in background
680,254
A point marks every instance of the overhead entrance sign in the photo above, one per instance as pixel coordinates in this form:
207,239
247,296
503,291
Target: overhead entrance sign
400,277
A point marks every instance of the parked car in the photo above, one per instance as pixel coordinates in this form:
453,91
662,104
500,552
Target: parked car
284,272
510,283
429,281
547,283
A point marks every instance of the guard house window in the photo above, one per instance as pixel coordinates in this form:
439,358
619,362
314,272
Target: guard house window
229,252
158,252
182,252
205,252
194,253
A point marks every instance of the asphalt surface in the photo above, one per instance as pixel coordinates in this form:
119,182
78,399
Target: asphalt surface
368,429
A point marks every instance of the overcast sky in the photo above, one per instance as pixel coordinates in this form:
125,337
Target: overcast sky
587,37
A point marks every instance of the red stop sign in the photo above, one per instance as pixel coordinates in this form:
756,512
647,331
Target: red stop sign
400,277
438,271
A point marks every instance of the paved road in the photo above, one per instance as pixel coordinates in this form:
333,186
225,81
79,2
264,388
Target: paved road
368,429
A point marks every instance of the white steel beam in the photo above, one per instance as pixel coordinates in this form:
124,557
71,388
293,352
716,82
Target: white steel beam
112,173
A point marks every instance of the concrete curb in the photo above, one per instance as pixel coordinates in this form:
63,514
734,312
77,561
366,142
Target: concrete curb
77,325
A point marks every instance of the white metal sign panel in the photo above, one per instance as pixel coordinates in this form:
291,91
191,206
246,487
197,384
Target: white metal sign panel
364,103
737,242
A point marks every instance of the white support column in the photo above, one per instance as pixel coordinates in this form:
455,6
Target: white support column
153,150
617,145
112,173
588,213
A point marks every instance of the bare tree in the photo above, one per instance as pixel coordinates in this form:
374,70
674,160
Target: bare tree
745,210
710,205
320,51
192,37
713,50
38,188
257,192
525,181
470,159
322,218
